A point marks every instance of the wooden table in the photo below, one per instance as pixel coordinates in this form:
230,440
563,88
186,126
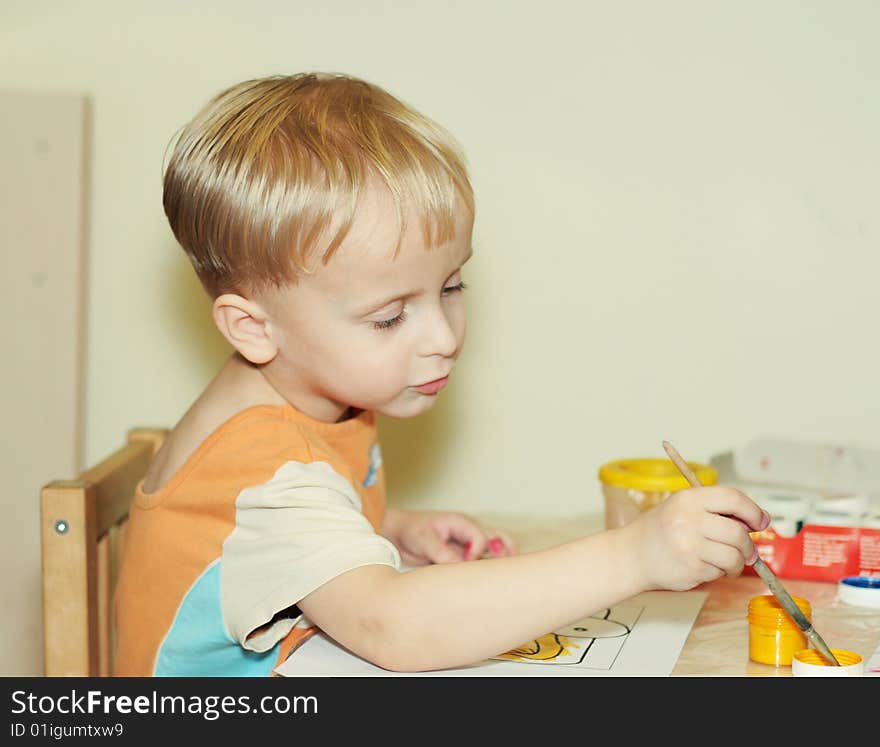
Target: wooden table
718,642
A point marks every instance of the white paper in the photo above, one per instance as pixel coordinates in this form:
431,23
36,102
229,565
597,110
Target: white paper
641,637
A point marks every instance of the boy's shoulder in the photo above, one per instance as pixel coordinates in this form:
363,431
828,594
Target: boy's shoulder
256,440
242,436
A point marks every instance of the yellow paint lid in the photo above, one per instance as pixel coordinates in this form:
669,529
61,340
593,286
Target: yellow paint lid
653,475
810,663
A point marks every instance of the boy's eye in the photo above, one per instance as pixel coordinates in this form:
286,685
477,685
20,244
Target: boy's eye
389,323
395,321
455,288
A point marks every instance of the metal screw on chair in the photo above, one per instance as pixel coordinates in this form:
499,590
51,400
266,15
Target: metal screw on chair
61,526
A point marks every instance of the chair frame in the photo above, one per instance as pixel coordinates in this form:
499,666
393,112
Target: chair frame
82,534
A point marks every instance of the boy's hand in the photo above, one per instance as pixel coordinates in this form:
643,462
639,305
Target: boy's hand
424,537
697,535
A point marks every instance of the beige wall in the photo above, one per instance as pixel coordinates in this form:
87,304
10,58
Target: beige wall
677,233
44,154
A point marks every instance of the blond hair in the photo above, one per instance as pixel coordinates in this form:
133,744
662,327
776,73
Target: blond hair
268,174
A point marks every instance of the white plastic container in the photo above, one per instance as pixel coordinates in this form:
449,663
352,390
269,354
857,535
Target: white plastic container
844,510
787,508
859,591
872,517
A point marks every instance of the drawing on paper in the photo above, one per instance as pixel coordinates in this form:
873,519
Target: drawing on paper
594,642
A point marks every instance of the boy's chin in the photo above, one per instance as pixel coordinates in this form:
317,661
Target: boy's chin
409,407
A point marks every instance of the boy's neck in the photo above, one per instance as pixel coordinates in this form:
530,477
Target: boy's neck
250,385
350,412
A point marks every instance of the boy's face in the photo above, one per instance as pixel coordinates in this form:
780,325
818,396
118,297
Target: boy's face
366,330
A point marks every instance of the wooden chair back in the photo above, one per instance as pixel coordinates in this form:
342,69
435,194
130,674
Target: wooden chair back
82,535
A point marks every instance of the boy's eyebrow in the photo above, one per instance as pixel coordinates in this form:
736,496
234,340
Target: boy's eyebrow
369,308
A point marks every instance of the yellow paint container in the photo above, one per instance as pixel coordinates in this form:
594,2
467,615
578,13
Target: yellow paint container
631,486
773,635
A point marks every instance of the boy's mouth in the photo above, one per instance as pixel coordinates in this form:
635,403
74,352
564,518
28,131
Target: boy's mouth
432,387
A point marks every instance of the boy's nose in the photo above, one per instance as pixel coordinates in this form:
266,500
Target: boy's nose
440,337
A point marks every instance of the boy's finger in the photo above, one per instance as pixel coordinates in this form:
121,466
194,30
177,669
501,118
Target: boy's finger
734,503
474,548
728,530
443,552
502,543
496,546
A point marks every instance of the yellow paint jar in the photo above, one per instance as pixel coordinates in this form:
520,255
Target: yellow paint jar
631,486
773,635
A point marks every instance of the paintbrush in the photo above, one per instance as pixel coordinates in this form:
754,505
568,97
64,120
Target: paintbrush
773,583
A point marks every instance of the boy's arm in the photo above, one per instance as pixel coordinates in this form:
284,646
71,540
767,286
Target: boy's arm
448,615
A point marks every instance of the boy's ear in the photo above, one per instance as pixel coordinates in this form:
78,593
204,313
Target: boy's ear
243,323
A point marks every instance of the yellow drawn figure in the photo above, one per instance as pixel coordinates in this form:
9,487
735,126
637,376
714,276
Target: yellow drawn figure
568,641
550,646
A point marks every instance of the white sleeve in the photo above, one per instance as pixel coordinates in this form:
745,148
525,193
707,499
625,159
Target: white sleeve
292,534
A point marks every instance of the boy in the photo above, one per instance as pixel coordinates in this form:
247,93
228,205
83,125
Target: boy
330,224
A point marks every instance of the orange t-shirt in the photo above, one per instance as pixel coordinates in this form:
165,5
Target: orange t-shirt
271,506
